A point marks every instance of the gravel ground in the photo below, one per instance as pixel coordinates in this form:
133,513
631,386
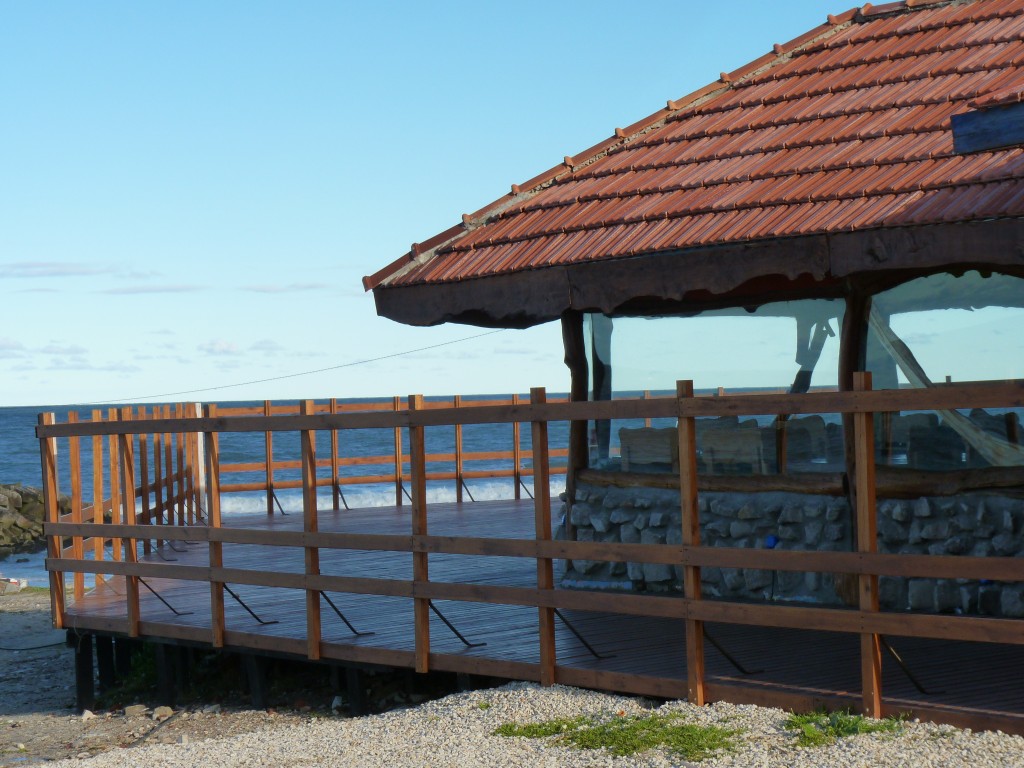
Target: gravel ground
458,731
37,724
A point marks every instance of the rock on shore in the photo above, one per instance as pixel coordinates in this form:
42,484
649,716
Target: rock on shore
21,519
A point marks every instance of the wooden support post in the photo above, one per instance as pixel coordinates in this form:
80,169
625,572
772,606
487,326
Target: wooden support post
867,541
542,524
356,691
335,475
105,662
97,493
420,570
75,467
310,524
268,447
166,673
256,674
212,446
579,447
158,479
124,650
192,461
48,457
85,687
457,402
174,510
517,454
695,682
126,453
179,457
396,405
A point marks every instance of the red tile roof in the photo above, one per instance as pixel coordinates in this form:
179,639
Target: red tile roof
844,128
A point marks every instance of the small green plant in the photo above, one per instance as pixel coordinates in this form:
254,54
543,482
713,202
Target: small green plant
623,736
817,729
483,705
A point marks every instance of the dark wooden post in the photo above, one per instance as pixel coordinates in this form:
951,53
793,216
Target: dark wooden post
691,538
867,541
212,446
97,494
542,521
420,573
335,475
75,467
310,524
85,686
396,406
457,403
579,447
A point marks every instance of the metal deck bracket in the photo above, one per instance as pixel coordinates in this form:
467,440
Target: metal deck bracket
249,610
728,656
165,558
341,493
525,488
576,632
466,488
341,616
277,500
906,668
161,598
406,492
451,626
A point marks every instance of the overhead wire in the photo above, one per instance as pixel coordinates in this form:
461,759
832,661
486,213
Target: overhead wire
295,375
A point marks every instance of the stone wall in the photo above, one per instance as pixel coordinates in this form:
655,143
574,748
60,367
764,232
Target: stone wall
974,524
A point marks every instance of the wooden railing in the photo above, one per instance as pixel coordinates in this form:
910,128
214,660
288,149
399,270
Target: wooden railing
866,620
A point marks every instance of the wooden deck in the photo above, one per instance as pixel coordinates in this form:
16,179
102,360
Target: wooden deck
968,684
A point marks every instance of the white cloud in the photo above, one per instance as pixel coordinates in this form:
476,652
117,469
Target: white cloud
37,269
219,347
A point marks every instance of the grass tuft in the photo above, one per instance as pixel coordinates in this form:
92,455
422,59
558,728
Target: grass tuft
623,736
818,729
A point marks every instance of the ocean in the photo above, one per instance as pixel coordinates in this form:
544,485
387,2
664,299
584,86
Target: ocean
19,463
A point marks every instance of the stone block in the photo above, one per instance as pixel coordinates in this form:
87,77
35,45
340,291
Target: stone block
732,578
619,516
969,599
920,595
652,536
791,513
813,511
657,572
1005,544
960,544
835,532
717,528
899,512
585,534
922,508
618,569
581,514
755,579
582,494
740,529
629,535
813,533
1008,521
642,502
791,532
988,599
914,535
674,535
1011,602
966,521
722,507
891,533
935,531
837,510
640,520
947,596
750,511
658,518
635,571
711,575
601,520
892,592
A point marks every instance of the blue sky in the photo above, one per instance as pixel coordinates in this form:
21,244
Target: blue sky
192,191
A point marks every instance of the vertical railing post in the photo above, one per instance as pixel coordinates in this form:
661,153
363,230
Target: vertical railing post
396,406
48,457
517,458
867,541
144,488
310,525
192,461
126,453
212,449
114,476
158,477
179,454
457,403
99,540
420,572
691,538
542,523
335,474
75,467
268,447
647,396
174,511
